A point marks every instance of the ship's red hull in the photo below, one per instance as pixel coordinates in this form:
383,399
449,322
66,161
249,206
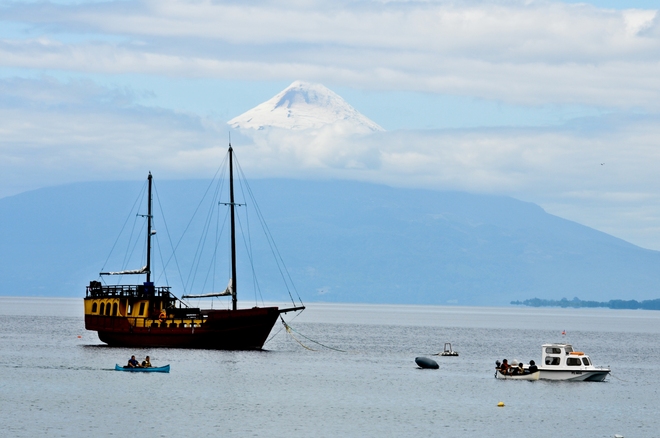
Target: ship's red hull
243,329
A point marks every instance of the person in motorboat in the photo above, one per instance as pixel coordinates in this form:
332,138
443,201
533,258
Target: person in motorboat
146,363
133,363
504,368
532,367
519,370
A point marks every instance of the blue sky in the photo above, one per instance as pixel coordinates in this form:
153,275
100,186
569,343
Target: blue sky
516,97
620,4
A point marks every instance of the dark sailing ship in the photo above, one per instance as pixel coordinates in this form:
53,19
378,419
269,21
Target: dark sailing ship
145,315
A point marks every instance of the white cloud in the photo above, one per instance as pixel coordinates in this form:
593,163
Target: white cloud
521,52
638,21
56,133
515,52
53,132
599,172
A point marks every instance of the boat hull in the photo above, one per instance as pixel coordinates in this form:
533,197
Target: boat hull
243,329
531,376
163,369
597,375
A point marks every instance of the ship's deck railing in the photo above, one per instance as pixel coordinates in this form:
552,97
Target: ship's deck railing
132,291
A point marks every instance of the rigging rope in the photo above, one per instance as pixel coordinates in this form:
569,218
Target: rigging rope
289,329
137,199
169,238
210,272
279,261
248,243
197,258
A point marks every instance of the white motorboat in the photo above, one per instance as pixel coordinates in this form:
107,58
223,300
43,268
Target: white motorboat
561,362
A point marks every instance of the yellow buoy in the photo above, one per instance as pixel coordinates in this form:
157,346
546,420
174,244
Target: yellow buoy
500,404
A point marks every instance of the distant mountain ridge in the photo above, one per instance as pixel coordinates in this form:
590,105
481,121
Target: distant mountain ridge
578,303
342,241
301,106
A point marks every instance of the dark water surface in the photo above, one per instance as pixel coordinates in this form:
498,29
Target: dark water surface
53,383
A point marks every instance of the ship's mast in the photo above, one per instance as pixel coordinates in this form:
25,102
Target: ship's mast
149,233
233,230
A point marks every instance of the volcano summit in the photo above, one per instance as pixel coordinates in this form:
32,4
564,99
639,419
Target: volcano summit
304,106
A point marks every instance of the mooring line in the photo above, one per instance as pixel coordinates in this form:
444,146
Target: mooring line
618,377
289,329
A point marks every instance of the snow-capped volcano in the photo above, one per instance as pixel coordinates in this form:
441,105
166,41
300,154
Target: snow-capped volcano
304,106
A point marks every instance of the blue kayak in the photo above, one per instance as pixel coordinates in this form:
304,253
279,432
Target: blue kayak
164,369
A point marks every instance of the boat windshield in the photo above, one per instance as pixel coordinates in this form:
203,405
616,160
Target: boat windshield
569,349
549,360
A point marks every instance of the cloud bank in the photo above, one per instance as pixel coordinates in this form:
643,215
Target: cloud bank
63,117
54,132
531,52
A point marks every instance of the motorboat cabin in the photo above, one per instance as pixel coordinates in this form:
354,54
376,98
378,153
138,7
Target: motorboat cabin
562,362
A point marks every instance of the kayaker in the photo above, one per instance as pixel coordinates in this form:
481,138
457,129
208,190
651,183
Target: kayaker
146,363
133,363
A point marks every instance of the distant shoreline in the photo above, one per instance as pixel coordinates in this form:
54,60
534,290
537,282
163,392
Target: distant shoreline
578,303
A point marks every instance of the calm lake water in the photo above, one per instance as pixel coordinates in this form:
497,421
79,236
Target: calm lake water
55,383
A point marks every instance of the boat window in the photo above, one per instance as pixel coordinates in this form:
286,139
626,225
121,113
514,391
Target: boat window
585,361
130,309
553,350
141,312
569,349
94,307
107,310
114,309
102,311
549,360
573,361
